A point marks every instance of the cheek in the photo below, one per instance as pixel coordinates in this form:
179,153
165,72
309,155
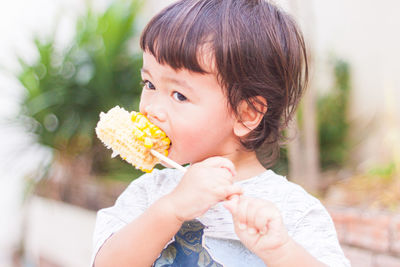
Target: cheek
205,134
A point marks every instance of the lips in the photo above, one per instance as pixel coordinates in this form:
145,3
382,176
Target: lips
170,148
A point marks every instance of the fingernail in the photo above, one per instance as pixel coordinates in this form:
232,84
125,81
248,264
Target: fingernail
242,226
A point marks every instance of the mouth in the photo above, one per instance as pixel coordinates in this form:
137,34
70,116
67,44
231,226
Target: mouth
169,149
167,136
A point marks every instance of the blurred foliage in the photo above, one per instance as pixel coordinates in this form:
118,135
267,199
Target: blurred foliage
378,188
282,164
332,119
386,172
66,89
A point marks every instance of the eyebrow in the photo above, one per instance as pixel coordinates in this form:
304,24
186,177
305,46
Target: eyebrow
171,80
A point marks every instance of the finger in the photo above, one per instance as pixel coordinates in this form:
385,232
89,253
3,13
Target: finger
234,189
226,175
222,177
224,191
252,210
220,192
221,162
267,217
247,211
241,214
276,221
234,197
231,204
262,219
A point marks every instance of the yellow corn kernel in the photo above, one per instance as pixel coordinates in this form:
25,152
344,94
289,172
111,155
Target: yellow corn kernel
166,141
158,133
153,128
148,143
142,124
147,132
133,116
138,134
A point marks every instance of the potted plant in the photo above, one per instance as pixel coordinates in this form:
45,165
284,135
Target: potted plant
67,88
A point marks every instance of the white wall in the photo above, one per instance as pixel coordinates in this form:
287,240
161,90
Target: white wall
58,232
366,34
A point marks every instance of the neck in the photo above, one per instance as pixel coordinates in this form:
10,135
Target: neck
246,164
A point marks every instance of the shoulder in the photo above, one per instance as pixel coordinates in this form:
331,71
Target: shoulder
276,188
291,199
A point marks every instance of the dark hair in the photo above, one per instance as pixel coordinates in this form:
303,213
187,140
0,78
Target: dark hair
257,50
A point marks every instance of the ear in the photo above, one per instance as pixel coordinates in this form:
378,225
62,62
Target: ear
248,118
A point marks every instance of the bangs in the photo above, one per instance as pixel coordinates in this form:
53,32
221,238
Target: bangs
178,34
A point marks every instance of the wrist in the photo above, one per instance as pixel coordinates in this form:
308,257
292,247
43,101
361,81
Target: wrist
279,255
168,206
290,254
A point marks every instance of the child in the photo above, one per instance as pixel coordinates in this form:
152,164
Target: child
221,78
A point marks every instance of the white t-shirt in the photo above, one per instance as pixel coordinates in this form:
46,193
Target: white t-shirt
305,218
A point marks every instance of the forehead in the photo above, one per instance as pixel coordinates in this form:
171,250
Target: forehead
200,61
205,59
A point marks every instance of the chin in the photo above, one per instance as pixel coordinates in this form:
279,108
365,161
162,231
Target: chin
172,155
183,158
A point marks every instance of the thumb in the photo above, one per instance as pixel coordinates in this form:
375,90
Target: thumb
232,203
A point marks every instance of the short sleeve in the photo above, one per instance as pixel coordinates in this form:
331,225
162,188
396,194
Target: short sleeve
129,205
315,231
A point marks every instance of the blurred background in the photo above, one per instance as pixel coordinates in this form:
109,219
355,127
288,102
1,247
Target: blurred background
62,62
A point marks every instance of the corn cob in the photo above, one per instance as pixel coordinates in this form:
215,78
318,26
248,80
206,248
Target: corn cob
133,137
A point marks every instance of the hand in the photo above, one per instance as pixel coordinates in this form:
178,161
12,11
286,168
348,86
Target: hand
258,224
204,184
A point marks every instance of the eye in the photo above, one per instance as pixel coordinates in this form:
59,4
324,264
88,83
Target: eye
148,85
178,96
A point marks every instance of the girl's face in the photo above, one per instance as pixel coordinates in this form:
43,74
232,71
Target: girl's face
192,110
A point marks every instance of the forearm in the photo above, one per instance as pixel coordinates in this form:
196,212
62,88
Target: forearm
140,242
291,254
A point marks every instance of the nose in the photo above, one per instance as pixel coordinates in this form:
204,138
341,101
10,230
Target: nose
155,112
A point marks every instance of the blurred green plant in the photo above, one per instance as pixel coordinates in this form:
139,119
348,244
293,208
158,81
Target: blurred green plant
386,172
332,120
66,89
282,163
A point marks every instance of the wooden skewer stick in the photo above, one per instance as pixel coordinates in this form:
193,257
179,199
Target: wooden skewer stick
167,160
